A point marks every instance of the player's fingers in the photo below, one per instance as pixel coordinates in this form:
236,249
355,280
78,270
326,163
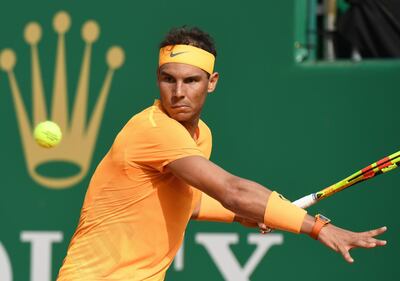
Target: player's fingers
265,230
378,242
364,244
346,255
375,232
262,225
368,243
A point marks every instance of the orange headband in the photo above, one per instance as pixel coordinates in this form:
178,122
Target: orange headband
189,55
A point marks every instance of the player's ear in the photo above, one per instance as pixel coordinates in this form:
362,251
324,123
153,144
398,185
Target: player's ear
212,82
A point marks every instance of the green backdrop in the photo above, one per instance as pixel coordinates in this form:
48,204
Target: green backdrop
292,127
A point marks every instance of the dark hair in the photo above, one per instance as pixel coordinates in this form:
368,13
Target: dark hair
193,36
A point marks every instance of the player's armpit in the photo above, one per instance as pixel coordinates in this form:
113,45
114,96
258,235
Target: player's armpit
196,210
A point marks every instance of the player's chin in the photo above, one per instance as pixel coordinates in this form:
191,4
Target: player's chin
182,116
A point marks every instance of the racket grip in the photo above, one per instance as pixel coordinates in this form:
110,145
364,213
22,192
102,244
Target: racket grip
306,201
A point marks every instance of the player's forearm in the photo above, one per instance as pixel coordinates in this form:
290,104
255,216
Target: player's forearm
256,202
249,199
246,198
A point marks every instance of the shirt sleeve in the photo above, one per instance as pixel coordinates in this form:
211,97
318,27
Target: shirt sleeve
158,143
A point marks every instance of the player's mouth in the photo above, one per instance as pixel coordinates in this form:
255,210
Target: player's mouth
179,106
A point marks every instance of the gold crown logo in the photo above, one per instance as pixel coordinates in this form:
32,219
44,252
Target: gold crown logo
79,134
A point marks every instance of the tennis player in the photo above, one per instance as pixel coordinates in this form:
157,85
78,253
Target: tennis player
157,176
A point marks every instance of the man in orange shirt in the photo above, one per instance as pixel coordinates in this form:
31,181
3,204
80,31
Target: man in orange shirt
157,176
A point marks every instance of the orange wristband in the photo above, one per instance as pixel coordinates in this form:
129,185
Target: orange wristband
212,210
283,215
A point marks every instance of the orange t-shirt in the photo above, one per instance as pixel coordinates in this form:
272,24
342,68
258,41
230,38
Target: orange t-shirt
134,215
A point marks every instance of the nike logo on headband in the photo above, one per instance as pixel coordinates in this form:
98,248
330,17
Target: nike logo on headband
175,54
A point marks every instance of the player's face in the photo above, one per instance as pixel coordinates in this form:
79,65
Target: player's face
183,90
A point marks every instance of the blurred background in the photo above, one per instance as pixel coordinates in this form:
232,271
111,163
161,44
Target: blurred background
309,93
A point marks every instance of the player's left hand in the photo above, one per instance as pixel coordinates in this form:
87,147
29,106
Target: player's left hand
253,224
263,228
342,240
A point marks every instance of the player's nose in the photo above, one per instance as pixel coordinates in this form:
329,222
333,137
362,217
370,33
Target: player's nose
179,90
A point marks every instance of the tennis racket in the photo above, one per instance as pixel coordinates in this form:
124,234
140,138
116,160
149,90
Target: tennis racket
382,166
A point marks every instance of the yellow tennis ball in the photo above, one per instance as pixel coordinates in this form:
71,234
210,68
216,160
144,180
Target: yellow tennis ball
47,134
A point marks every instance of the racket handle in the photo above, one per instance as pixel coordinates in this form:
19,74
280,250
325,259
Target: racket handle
306,201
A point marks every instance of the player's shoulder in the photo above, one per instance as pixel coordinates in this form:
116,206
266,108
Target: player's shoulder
204,127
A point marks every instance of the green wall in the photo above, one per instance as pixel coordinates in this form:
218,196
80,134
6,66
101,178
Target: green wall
292,127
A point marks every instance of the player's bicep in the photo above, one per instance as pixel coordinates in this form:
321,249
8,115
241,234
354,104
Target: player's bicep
202,174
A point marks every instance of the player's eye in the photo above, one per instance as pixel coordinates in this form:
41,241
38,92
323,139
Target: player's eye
191,80
167,79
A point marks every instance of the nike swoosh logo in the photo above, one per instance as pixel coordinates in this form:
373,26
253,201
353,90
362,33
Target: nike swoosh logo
176,54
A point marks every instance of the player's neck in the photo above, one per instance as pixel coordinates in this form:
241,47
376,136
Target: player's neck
192,126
